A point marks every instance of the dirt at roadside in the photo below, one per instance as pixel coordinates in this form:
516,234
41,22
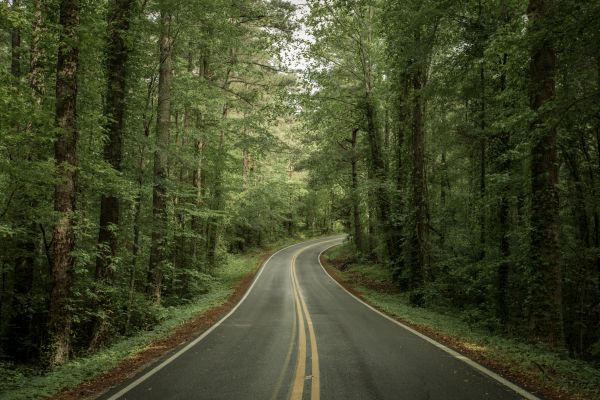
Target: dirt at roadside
179,337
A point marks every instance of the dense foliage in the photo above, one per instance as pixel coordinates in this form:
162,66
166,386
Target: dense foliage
140,142
461,140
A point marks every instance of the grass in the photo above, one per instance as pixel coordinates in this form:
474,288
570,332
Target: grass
535,366
23,383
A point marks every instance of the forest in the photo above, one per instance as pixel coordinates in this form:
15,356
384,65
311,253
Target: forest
143,142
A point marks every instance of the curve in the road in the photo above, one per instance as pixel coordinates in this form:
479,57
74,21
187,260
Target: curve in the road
297,334
517,389
304,314
166,362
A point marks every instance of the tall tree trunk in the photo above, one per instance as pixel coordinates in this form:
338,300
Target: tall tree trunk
212,236
504,167
197,178
595,195
546,318
159,189
66,188
398,201
418,182
380,195
197,183
20,318
358,238
137,208
482,164
504,164
377,159
25,324
117,54
444,189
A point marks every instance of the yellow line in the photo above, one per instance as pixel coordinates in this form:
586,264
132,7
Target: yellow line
298,387
315,389
302,312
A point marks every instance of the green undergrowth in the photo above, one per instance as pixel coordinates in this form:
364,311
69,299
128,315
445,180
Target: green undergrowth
539,366
31,383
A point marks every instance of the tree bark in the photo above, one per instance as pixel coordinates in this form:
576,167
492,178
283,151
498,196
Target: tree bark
137,208
546,318
212,236
66,188
20,318
197,183
504,228
212,226
482,164
159,189
117,54
504,166
358,239
418,183
596,212
398,201
378,169
197,177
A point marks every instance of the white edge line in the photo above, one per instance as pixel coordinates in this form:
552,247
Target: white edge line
204,334
519,390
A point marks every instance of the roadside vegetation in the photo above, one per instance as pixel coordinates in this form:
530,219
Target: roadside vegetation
461,141
533,365
28,382
143,143
143,146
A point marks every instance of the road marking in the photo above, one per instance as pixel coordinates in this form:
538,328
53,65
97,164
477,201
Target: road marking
207,332
519,390
302,312
315,388
298,385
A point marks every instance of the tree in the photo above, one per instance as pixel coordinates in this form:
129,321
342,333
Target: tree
65,150
545,218
163,124
117,55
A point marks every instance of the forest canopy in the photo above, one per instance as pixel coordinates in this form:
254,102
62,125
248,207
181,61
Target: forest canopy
457,143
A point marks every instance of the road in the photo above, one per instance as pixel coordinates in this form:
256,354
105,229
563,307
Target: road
298,335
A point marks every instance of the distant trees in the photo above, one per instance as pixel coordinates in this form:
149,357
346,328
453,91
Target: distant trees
489,174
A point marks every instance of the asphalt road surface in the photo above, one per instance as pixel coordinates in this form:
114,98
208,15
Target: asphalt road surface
298,335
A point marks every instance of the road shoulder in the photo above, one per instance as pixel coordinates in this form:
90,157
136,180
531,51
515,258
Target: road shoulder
545,374
153,346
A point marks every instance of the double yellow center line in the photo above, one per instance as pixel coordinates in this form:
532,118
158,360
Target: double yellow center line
302,314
